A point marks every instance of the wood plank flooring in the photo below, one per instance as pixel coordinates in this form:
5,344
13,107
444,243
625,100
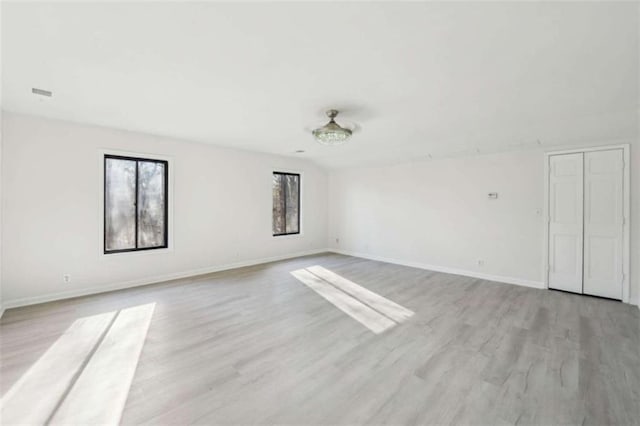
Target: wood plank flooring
257,346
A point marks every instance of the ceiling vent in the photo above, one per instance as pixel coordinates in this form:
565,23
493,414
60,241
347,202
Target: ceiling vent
41,92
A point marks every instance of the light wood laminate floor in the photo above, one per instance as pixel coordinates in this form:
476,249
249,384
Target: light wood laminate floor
257,346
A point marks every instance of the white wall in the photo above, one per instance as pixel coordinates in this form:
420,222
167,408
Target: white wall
1,112
433,213
1,132
52,220
436,214
635,224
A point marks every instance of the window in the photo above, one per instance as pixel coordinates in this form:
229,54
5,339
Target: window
286,203
135,204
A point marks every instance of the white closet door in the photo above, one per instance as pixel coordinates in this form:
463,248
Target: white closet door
565,222
603,225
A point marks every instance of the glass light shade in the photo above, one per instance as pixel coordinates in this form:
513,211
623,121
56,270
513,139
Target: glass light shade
331,134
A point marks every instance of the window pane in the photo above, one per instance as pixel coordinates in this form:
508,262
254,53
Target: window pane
293,206
278,204
120,209
151,204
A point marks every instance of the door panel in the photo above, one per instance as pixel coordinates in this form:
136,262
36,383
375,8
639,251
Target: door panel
567,257
603,226
565,222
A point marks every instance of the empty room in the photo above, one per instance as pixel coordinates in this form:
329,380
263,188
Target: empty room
320,213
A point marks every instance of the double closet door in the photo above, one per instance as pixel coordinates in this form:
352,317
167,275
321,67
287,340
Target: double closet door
586,222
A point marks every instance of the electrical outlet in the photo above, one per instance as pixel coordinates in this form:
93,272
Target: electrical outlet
337,240
480,262
66,278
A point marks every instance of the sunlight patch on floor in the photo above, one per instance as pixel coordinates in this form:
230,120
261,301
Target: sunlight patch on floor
381,304
32,399
100,393
375,312
84,377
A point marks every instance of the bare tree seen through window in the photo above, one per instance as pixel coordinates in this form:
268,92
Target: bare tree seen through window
286,203
135,204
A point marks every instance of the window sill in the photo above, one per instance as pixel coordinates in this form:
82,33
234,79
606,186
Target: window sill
288,236
136,253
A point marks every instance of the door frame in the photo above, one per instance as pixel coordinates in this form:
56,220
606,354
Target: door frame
626,193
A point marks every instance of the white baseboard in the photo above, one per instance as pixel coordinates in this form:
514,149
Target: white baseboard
445,269
185,274
25,301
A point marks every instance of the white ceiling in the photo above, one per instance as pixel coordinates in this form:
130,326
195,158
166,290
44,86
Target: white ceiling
419,79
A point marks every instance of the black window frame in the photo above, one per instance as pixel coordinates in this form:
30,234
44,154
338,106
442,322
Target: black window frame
166,203
285,206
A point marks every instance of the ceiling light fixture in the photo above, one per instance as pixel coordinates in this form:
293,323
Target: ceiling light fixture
332,133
